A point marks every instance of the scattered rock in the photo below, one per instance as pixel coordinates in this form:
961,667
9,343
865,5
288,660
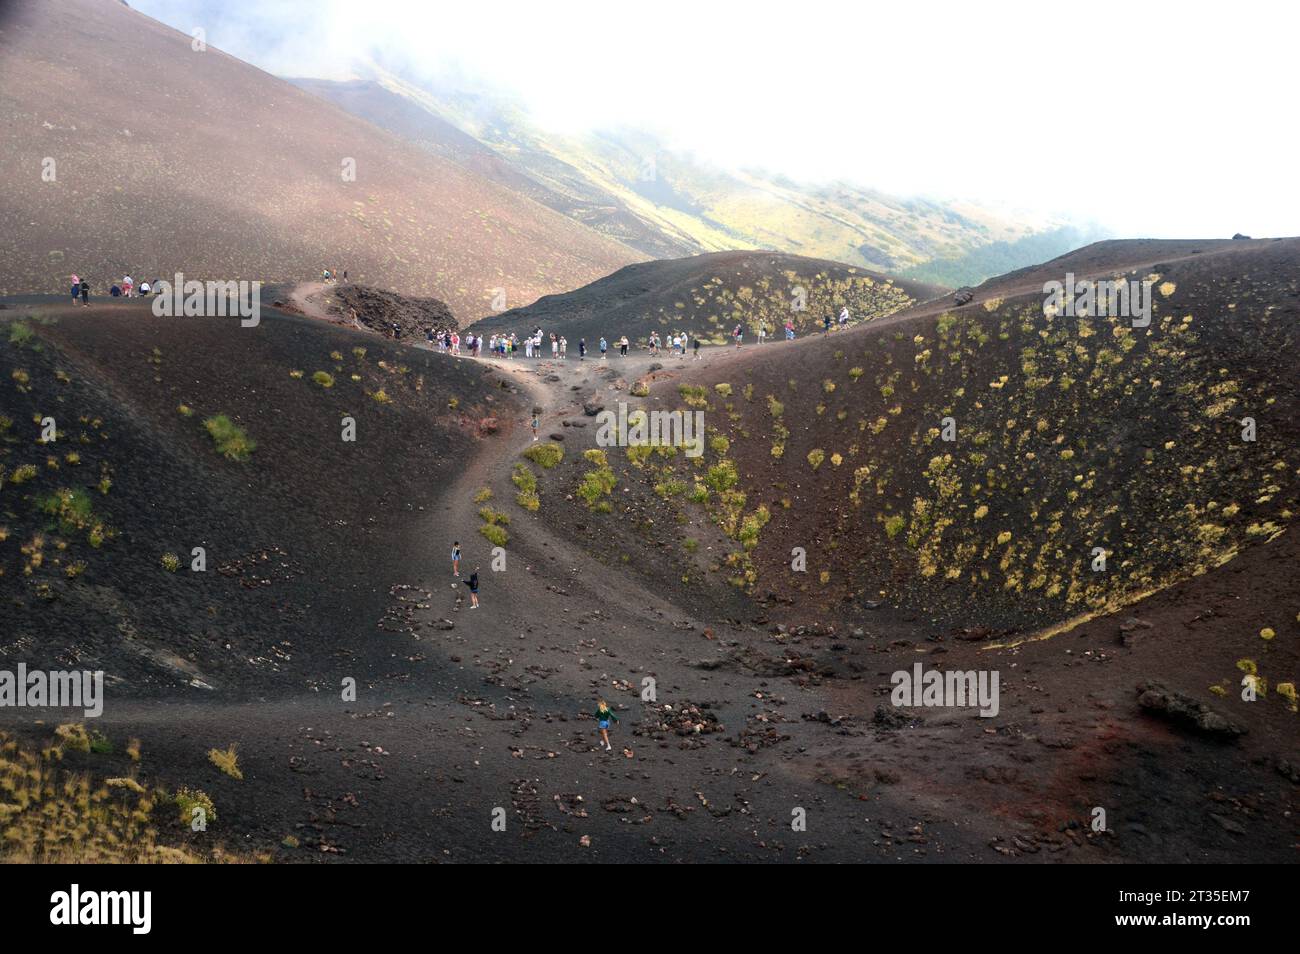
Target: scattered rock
887,717
1183,710
1132,629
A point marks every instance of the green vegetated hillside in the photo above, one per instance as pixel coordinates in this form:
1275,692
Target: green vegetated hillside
1071,435
631,186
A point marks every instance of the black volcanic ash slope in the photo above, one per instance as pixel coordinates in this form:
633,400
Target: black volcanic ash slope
1071,434
302,536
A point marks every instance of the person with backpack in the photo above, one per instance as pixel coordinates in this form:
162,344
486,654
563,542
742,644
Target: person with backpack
604,715
472,583
455,558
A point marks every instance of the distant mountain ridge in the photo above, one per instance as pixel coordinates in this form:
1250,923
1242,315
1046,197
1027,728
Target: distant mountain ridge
630,186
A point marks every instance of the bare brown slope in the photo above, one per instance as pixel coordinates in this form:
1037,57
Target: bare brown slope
566,192
170,159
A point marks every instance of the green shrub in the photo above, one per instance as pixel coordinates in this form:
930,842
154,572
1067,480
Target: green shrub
672,487
21,334
188,799
545,455
721,476
497,536
694,395
524,478
227,760
323,378
598,482
492,516
231,440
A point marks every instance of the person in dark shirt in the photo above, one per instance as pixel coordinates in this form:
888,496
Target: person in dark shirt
472,583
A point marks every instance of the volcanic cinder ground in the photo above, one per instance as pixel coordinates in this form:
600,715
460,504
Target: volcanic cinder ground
328,562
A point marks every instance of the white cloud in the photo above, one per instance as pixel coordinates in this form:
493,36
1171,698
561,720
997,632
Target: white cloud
1158,118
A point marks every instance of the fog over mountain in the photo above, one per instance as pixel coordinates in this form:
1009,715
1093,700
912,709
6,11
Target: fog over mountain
1113,119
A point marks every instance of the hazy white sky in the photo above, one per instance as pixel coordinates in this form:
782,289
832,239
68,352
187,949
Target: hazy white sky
1175,119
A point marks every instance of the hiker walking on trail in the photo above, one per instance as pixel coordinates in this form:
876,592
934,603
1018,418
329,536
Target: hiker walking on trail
604,347
762,331
696,345
555,346
455,558
789,330
622,346
826,325
739,334
604,715
582,349
844,316
85,293
537,421
564,347
76,288
472,583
